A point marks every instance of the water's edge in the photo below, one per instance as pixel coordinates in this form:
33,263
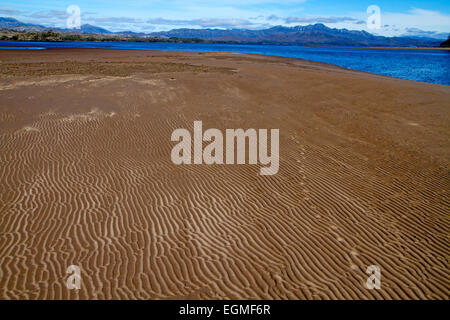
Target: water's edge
431,66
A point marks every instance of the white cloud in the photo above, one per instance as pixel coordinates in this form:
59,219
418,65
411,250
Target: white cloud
158,15
205,23
312,19
426,20
10,11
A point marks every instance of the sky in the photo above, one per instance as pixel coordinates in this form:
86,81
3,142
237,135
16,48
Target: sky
429,18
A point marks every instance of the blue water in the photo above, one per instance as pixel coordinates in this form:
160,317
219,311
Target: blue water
431,66
21,48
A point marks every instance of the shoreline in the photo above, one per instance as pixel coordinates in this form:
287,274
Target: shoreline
232,53
268,44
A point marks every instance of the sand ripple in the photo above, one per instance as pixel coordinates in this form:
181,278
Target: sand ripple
88,181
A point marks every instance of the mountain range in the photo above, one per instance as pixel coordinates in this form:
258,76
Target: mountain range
446,44
317,34
14,24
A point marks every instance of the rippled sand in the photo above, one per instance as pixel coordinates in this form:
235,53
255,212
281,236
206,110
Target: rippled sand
86,179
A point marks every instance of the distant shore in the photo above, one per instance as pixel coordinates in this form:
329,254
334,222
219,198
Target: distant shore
180,40
50,36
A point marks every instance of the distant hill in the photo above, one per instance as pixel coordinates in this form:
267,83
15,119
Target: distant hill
14,24
11,23
446,44
87,28
317,34
312,35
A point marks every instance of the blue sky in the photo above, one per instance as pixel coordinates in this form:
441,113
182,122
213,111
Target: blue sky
398,17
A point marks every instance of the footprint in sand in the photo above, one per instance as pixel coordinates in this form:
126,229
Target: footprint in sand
354,267
28,129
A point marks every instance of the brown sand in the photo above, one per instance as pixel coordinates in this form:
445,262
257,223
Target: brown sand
86,179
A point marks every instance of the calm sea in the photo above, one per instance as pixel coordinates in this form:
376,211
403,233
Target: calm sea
419,65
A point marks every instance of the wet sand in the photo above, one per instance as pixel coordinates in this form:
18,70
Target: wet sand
86,179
